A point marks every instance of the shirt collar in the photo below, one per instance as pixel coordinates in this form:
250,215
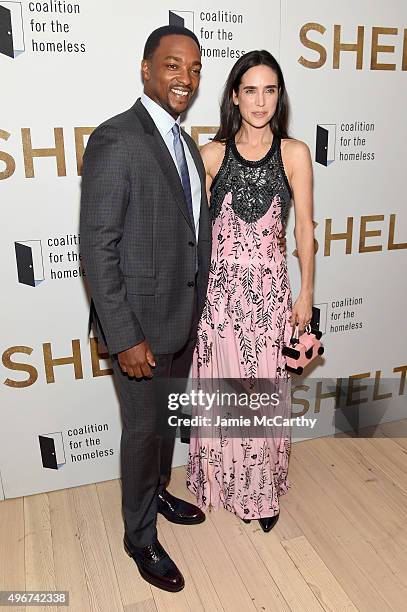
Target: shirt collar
163,120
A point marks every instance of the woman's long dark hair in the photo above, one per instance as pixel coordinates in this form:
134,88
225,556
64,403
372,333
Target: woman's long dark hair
230,117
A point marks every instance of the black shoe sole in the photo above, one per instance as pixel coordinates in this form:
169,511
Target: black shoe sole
149,578
171,519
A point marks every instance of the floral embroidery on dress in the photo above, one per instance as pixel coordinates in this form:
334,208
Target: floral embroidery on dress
243,328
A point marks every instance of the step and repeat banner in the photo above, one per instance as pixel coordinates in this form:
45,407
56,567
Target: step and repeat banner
65,67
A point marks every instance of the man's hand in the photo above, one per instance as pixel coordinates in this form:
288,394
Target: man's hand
136,361
282,242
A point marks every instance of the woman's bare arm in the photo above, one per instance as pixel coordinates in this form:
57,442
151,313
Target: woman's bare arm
212,156
297,160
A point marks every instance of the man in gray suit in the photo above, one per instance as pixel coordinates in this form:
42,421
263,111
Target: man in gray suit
146,242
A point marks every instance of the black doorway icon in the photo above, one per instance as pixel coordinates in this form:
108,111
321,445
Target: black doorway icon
48,452
319,317
183,19
6,32
30,267
176,20
11,29
25,264
321,154
52,450
325,144
316,317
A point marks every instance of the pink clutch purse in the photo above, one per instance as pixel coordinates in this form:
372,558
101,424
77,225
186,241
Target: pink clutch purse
303,349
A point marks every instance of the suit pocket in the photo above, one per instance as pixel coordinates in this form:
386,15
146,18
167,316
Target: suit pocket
147,310
140,285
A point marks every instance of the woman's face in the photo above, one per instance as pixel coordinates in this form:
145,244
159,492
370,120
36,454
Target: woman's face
257,96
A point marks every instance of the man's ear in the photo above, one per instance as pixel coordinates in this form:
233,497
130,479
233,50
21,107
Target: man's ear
145,70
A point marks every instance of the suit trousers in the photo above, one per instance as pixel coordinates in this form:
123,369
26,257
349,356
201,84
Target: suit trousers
147,440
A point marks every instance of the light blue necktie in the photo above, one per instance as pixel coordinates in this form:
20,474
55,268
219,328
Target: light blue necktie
183,168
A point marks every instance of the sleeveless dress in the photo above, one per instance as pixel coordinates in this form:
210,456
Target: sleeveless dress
241,333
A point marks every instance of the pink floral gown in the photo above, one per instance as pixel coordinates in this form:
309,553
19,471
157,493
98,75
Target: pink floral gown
243,328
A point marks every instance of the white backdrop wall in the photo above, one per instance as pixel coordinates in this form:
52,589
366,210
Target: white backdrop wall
71,66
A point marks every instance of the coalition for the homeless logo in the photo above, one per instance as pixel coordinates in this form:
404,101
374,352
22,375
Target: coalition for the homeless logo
218,30
347,141
11,29
183,19
52,450
30,264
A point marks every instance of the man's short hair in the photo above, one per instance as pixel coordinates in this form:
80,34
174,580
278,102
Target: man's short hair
153,41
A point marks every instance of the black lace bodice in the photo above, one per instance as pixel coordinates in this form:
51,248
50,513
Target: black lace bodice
253,184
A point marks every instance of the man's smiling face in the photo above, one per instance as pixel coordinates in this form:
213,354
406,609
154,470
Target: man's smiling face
171,75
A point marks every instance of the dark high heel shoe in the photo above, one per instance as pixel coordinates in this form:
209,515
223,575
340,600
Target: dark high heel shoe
247,521
268,522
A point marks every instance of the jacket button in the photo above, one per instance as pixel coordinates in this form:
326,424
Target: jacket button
191,244
190,283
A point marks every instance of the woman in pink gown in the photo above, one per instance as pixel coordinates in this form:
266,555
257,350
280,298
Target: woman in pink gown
254,171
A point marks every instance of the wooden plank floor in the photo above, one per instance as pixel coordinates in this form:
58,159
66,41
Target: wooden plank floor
340,543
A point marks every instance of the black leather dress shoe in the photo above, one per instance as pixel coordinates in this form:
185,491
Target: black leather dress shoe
268,523
178,510
156,566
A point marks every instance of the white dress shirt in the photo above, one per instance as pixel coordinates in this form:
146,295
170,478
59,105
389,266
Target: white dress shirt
164,123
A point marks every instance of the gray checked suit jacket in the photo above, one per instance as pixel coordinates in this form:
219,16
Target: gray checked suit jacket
137,241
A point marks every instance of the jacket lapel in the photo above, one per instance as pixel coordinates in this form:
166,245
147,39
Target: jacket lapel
163,156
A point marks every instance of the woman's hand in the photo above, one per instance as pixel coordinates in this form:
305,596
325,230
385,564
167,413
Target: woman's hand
302,311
